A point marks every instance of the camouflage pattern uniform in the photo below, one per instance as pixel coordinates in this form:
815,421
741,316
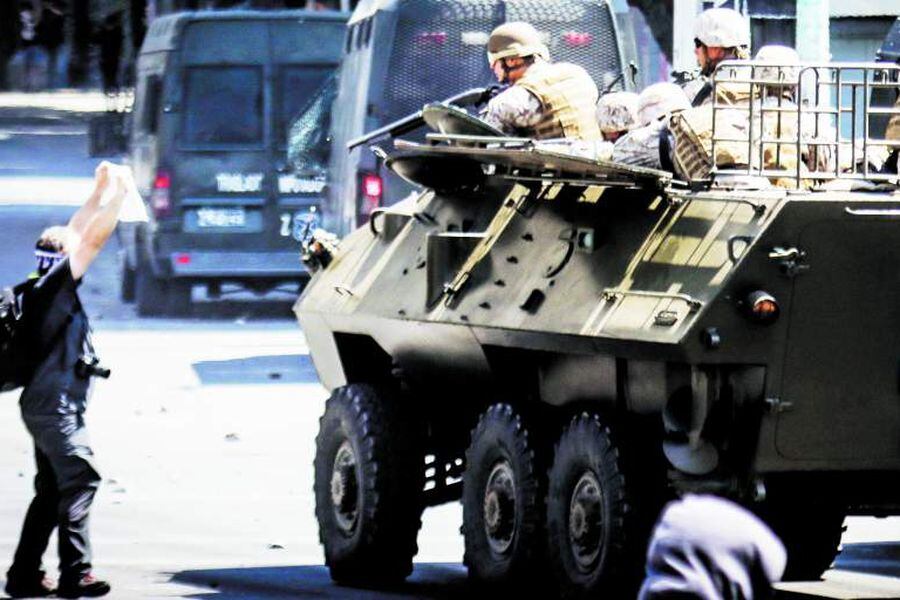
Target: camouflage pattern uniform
513,111
552,100
640,147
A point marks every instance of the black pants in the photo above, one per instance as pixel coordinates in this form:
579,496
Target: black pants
65,485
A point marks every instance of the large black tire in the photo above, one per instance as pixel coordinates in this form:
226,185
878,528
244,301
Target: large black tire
369,480
178,298
127,281
589,520
503,511
810,527
151,292
156,296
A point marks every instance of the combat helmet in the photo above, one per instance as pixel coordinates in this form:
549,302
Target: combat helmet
617,111
722,27
516,39
785,65
660,99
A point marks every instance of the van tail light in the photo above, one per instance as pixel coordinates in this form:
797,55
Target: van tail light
577,39
160,197
432,38
371,194
762,307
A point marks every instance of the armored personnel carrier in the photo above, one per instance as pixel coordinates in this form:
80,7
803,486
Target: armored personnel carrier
565,343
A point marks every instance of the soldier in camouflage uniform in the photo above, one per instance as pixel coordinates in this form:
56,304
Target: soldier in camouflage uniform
545,100
649,144
617,114
720,34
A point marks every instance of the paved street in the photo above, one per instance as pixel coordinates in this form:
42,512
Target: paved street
205,432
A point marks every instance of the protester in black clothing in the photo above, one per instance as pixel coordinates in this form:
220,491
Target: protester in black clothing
53,402
109,37
10,32
51,35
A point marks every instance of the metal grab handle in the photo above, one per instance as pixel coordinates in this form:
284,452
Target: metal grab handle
732,241
872,212
375,213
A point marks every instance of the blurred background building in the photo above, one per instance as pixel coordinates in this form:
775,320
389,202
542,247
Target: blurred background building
92,43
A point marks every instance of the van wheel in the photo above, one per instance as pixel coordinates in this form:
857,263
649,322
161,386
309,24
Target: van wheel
588,513
369,480
502,500
150,292
127,285
178,298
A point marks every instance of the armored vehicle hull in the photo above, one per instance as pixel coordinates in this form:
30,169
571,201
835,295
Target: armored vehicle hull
563,344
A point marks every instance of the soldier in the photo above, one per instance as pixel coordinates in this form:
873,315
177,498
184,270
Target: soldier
617,114
720,34
649,145
545,100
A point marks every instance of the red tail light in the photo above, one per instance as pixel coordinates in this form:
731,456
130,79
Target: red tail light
160,199
371,195
577,39
432,38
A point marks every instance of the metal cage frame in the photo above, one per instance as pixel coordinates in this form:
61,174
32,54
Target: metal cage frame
810,82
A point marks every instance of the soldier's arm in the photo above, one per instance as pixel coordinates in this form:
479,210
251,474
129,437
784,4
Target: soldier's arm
514,109
96,231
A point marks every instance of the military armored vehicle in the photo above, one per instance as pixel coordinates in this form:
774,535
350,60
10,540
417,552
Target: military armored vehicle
565,343
401,54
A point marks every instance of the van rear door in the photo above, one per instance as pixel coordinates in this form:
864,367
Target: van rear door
241,79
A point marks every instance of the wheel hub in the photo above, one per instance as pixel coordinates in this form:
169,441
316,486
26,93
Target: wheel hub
500,507
586,521
344,488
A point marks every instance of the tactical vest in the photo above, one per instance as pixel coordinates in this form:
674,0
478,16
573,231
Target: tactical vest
568,96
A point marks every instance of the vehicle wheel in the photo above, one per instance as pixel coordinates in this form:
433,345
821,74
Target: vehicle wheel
588,513
502,499
178,298
128,284
369,477
809,529
150,292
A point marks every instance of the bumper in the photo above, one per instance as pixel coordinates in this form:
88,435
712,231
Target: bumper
285,265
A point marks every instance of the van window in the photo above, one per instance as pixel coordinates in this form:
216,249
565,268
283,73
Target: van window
308,143
298,86
223,106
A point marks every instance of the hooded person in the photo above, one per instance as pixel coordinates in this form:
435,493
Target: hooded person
709,548
648,145
544,100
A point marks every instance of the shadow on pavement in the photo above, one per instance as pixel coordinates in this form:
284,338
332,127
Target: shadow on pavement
881,558
428,581
289,368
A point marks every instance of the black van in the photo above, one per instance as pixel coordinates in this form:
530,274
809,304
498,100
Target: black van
216,94
401,54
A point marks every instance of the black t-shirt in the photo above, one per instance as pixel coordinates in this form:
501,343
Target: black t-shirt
57,331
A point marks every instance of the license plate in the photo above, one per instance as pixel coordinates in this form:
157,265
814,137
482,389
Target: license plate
221,217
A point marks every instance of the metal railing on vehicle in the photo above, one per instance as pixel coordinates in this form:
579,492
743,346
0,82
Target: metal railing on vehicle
804,110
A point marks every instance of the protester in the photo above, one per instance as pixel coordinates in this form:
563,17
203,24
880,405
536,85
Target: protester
54,399
709,548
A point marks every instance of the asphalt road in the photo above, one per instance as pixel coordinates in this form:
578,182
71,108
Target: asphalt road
205,433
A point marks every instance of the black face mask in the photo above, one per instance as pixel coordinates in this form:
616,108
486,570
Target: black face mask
46,259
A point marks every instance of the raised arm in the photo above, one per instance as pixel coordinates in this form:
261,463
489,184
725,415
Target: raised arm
81,217
99,224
